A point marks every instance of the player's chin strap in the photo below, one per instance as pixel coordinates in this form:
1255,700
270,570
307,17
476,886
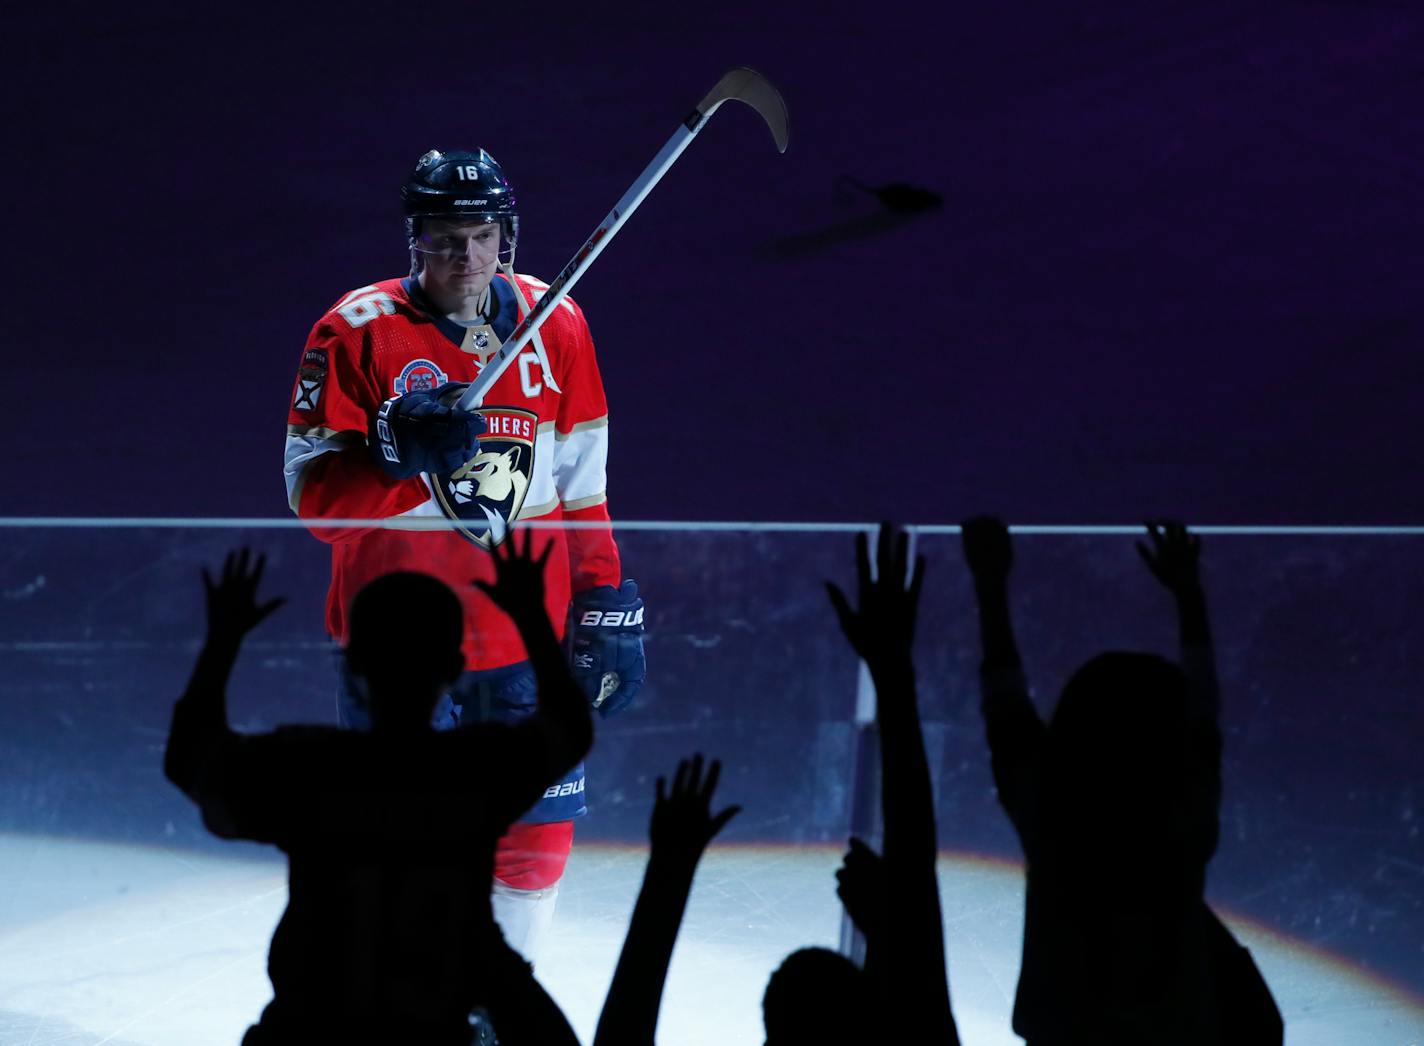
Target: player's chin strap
508,269
483,306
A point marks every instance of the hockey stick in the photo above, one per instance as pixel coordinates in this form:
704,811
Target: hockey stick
740,85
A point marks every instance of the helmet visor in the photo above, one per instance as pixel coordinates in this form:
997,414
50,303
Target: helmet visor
451,237
450,240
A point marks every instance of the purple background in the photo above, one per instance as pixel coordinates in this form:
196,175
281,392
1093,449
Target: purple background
1177,267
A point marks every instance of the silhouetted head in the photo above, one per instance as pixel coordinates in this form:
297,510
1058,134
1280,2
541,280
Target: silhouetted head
816,995
1129,764
404,643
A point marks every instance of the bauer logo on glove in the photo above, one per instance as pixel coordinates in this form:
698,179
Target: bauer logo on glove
419,432
605,639
612,618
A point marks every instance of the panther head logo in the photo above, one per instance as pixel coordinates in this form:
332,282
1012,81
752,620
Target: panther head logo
486,494
491,475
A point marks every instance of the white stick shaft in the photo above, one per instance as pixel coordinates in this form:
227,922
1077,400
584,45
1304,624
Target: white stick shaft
578,265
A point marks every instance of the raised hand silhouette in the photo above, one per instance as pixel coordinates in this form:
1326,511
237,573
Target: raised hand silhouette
683,823
233,610
881,627
681,827
518,586
1172,555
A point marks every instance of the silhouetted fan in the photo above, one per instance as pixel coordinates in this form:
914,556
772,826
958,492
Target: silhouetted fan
900,197
389,933
1116,801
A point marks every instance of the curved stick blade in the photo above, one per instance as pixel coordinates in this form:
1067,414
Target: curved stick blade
751,88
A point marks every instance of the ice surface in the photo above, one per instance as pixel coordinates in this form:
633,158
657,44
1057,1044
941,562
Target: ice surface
136,946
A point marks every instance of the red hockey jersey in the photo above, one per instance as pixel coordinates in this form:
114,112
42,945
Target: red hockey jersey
377,342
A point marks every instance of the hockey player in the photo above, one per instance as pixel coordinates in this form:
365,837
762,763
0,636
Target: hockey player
373,434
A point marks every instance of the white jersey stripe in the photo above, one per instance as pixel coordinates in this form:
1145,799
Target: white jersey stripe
304,447
580,464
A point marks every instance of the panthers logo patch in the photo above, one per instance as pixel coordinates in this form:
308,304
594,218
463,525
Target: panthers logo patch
485,494
420,376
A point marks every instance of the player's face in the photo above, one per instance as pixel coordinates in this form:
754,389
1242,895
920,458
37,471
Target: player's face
460,257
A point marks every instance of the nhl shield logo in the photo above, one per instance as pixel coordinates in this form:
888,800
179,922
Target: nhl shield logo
485,494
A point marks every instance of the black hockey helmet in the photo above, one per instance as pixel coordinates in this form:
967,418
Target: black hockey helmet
465,185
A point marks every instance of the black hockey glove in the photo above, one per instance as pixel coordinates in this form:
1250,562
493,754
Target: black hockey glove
418,433
605,637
